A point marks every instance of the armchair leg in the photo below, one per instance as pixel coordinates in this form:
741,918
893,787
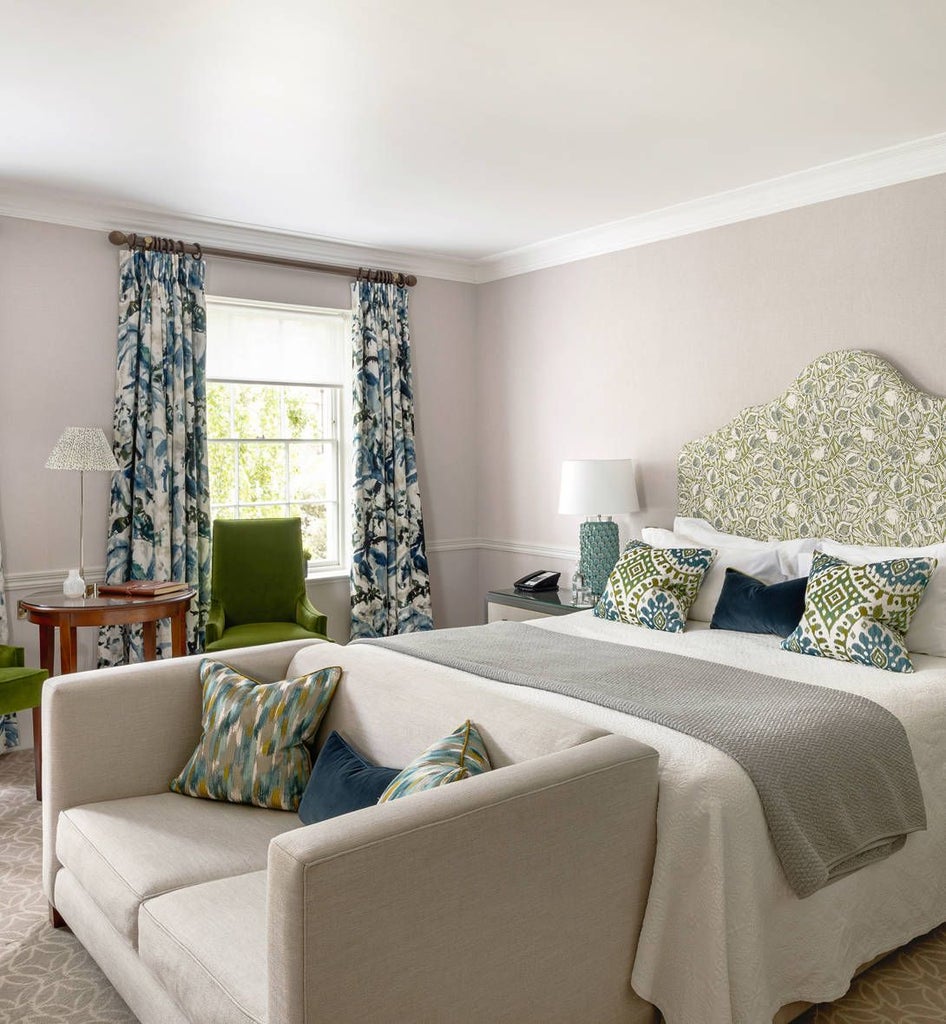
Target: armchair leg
55,918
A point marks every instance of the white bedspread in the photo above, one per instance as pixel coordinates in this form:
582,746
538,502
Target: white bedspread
724,938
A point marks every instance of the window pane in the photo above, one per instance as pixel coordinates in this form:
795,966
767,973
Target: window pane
222,471
319,529
262,472
223,512
257,411
312,472
308,412
218,409
265,511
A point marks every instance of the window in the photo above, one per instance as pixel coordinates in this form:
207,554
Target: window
278,383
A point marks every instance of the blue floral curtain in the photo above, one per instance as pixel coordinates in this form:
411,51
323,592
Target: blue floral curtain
390,584
159,518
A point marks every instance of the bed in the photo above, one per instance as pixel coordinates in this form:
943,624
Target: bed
851,451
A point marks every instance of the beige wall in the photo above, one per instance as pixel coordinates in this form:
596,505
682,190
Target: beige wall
58,288
632,354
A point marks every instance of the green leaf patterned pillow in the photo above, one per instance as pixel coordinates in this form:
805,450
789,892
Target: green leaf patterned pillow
253,749
654,587
861,613
459,756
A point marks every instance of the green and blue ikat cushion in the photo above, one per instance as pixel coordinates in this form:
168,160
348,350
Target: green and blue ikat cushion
254,748
460,755
860,613
654,587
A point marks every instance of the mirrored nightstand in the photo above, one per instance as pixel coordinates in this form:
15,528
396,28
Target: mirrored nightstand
513,606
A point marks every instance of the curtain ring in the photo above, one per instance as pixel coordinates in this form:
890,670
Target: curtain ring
199,253
132,240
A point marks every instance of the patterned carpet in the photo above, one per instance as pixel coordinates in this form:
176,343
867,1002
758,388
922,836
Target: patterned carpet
46,977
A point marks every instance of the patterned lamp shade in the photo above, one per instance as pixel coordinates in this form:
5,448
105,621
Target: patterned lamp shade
598,487
84,449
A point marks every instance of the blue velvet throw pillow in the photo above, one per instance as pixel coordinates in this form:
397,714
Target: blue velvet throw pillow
748,605
342,781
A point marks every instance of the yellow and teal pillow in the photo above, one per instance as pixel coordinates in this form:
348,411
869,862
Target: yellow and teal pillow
458,756
253,749
654,587
861,613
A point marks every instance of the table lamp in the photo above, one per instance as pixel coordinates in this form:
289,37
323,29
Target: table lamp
598,487
86,450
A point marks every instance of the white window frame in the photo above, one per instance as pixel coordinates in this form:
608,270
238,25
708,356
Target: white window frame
341,439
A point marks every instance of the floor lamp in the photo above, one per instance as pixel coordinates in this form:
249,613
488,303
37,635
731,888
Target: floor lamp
86,450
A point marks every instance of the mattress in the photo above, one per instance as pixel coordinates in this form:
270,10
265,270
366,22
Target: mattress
724,939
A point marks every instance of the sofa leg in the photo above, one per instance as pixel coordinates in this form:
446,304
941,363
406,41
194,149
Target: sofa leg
55,918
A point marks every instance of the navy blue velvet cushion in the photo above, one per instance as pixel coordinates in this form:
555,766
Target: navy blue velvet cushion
341,781
748,605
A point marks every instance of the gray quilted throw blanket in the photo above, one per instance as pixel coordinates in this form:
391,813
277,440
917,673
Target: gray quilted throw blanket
834,771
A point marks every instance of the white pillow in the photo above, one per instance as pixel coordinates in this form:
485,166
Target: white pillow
794,555
927,633
752,557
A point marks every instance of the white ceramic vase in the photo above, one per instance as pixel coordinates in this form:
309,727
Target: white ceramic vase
74,584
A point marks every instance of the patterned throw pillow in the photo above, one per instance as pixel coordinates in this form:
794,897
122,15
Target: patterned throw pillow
654,587
860,613
459,756
253,747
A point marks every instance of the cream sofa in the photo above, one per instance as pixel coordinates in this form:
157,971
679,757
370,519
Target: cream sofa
513,896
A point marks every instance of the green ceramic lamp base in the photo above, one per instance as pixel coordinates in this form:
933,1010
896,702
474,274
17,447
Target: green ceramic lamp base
600,547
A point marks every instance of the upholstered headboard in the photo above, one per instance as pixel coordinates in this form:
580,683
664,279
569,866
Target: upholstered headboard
850,451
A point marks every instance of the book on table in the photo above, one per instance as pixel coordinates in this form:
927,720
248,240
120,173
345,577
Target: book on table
142,588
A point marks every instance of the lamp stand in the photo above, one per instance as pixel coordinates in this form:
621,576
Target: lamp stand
74,583
600,546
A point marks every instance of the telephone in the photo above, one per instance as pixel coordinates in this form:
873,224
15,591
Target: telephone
537,581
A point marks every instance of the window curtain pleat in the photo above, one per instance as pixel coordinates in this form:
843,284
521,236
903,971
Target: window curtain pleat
390,582
159,514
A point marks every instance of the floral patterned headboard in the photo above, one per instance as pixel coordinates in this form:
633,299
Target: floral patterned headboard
851,451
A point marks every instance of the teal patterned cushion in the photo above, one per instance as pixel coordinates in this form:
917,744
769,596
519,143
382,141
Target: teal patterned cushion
459,756
860,613
654,587
253,749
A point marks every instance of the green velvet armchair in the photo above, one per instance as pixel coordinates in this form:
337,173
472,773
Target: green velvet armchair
22,688
258,585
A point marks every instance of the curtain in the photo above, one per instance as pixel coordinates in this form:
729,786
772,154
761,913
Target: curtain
390,584
9,729
159,516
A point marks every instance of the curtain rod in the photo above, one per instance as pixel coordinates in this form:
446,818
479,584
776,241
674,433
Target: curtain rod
135,241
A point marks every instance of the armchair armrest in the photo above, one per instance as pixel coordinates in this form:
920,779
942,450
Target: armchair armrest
516,895
216,622
310,618
11,657
125,731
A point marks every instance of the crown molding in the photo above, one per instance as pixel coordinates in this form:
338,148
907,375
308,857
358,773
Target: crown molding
894,165
29,202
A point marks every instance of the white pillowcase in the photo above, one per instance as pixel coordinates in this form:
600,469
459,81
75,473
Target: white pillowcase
794,556
754,558
927,633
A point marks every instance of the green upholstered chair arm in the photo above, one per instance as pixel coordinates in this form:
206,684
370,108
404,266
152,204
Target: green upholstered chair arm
216,622
11,657
310,618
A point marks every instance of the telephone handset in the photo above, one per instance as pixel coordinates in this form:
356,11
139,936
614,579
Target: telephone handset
538,581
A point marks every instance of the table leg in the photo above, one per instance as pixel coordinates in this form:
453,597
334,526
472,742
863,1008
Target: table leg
67,649
38,751
179,632
149,633
47,648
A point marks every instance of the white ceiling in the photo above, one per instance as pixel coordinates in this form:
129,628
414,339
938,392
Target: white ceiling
462,129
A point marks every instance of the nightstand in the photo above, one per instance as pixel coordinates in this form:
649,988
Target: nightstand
514,606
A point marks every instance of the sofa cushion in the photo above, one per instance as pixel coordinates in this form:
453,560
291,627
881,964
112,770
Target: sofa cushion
342,781
253,749
207,946
126,851
457,757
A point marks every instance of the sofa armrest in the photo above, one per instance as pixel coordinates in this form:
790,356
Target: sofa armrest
310,618
125,731
216,623
516,895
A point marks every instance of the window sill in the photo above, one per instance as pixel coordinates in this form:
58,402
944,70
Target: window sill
327,575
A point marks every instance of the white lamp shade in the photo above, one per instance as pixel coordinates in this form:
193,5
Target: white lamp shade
597,487
84,449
